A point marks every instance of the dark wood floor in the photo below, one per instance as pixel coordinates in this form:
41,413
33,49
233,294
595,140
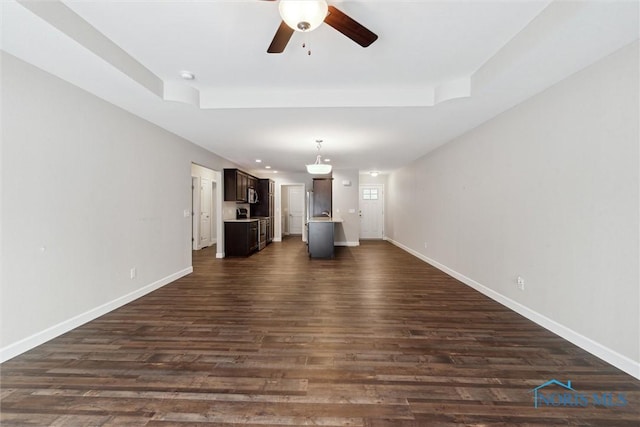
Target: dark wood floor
373,338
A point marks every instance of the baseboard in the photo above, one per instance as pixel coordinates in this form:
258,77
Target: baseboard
19,347
610,356
277,239
219,254
346,243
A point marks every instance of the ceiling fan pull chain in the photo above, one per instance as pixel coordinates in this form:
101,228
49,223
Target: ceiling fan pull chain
304,46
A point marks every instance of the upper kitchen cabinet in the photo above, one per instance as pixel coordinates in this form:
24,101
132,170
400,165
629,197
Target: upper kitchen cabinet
253,182
322,196
237,184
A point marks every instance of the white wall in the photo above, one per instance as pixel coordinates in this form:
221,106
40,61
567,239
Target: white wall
88,192
549,191
346,199
368,179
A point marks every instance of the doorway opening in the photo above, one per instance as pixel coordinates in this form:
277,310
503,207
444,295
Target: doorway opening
293,210
206,209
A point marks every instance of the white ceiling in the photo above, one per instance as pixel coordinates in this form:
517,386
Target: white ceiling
437,70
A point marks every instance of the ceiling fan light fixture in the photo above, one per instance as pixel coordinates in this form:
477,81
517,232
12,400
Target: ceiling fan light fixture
303,15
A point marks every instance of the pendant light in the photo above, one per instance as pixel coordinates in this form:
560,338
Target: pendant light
318,168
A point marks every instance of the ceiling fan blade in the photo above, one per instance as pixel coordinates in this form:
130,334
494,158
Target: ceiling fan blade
280,39
349,27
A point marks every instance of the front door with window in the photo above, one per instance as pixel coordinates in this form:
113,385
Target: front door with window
371,211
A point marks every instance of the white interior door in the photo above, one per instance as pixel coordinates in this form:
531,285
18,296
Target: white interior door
296,209
205,212
371,211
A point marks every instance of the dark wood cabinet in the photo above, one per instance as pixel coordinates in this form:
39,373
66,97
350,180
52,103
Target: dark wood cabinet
241,186
266,205
262,207
269,224
237,184
322,197
240,238
321,239
253,182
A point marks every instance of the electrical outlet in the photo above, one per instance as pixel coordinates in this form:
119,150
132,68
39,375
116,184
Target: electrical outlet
133,273
520,283
425,245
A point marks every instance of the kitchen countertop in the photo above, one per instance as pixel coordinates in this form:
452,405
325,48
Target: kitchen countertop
324,219
314,219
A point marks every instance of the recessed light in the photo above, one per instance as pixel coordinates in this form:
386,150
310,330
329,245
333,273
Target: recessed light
327,160
267,167
187,75
374,173
258,161
275,171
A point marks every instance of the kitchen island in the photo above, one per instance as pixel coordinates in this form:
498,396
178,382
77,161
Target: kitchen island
320,236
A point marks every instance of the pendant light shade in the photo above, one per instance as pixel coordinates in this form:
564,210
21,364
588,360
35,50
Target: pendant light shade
319,168
303,15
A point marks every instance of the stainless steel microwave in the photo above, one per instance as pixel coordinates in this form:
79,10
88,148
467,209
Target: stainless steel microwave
252,195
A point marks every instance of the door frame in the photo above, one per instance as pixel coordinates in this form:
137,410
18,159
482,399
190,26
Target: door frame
214,212
218,196
218,204
195,212
210,191
279,232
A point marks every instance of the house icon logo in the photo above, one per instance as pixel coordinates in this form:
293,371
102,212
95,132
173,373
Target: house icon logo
554,393
538,389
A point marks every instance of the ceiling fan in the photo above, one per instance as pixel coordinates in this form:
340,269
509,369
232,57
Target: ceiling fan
306,15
